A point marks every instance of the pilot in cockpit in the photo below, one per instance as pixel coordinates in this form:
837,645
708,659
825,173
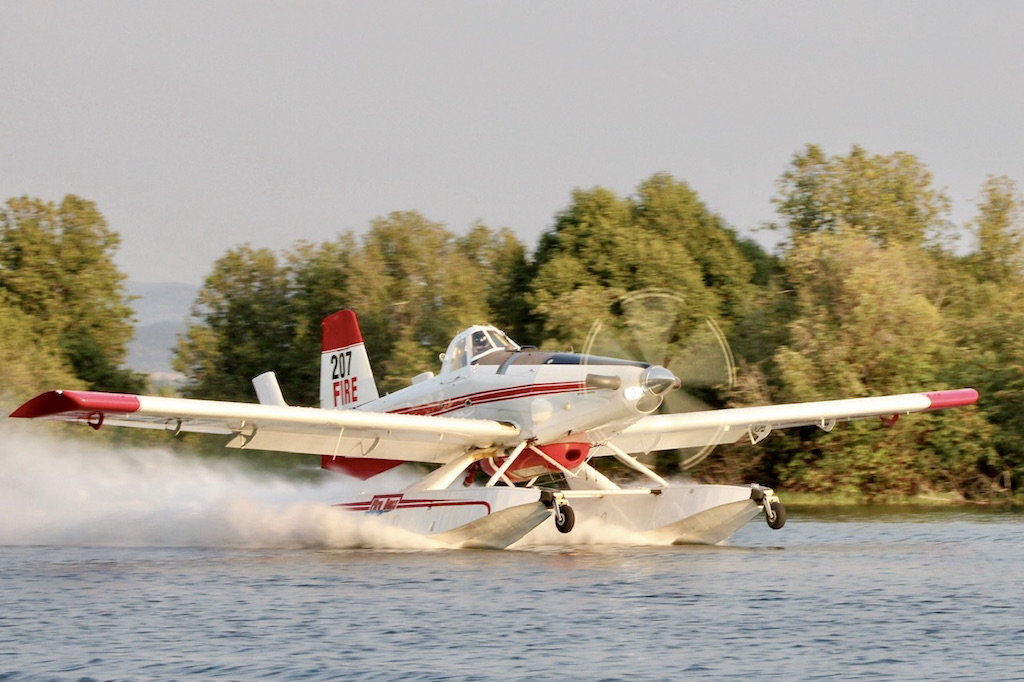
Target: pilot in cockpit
481,344
489,340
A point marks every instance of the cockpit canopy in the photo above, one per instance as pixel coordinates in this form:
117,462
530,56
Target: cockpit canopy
470,345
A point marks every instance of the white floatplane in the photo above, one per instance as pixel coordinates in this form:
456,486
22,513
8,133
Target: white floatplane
499,421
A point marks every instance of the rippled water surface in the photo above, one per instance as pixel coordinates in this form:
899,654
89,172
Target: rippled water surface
923,595
123,564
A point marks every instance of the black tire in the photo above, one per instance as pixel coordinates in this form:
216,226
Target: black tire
780,516
565,518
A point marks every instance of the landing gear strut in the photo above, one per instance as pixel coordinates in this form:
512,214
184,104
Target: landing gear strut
775,515
565,518
774,512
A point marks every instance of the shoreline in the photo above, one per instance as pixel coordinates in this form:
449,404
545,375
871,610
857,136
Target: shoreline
941,500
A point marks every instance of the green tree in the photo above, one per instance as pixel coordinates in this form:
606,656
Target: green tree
241,326
662,237
412,283
878,306
56,266
886,198
865,327
999,230
672,210
29,363
503,264
419,288
318,285
986,314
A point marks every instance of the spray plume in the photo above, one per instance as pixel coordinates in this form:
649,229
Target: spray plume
62,491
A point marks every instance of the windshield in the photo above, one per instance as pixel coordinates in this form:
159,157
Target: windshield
499,339
486,341
482,344
475,343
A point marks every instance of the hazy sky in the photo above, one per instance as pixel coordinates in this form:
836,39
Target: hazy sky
199,125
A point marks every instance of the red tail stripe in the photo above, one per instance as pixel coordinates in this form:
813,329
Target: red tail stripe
341,330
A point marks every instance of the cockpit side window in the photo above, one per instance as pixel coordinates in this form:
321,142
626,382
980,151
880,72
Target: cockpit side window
457,355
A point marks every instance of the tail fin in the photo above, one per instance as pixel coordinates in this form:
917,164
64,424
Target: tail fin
346,379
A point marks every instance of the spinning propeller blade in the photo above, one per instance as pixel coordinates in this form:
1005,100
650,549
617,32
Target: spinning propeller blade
689,354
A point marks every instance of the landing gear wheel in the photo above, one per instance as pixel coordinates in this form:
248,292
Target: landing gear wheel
775,515
565,518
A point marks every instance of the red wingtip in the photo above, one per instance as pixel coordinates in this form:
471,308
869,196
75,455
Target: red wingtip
340,330
953,398
53,403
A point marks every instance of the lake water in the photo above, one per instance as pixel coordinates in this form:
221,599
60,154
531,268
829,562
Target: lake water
137,566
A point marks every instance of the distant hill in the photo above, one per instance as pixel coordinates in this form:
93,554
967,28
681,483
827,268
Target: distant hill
161,312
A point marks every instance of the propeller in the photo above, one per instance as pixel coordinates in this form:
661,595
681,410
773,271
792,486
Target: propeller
688,353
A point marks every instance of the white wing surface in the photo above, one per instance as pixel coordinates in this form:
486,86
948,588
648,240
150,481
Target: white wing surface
306,430
713,427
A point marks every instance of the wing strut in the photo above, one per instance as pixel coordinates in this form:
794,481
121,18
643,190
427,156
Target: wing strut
441,478
506,464
553,463
635,464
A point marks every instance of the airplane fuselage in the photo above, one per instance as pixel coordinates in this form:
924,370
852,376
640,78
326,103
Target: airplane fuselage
560,402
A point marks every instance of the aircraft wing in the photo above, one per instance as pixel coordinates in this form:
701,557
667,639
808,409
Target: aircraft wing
306,430
715,427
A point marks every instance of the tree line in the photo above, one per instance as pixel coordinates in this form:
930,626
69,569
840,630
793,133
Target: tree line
869,292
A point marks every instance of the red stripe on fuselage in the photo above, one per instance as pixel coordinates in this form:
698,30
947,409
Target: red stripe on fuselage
415,504
439,407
